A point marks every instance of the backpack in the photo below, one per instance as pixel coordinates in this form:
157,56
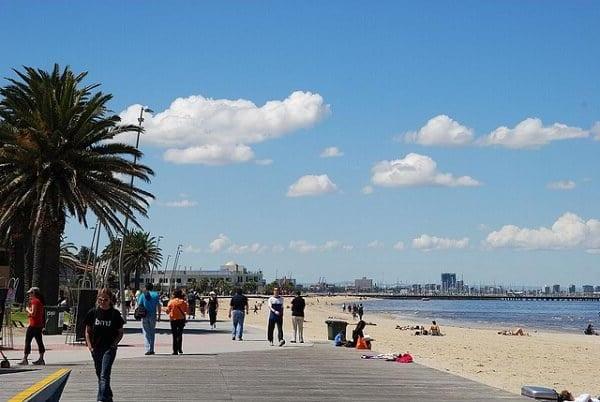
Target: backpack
407,358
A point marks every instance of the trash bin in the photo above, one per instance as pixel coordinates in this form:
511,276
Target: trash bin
334,327
53,326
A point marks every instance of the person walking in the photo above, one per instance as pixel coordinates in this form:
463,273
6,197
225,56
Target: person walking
275,317
238,308
202,305
361,311
191,300
213,308
298,305
176,309
150,302
35,316
103,332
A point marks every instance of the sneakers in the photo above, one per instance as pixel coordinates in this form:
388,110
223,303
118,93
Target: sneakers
233,338
149,353
301,341
240,339
39,362
292,341
282,342
271,343
24,362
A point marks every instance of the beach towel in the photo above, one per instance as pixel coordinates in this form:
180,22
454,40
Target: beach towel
382,356
406,358
586,398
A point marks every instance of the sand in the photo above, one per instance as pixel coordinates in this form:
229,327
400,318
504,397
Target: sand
556,360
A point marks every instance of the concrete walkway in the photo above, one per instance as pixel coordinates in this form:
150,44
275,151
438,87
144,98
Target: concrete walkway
216,368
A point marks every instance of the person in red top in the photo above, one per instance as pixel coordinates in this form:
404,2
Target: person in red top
35,313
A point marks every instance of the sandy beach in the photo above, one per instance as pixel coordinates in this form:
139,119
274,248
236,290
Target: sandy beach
557,360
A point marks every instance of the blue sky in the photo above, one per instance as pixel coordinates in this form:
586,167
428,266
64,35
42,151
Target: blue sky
413,96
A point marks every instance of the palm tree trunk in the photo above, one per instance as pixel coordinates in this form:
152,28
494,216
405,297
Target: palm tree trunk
136,279
46,260
16,261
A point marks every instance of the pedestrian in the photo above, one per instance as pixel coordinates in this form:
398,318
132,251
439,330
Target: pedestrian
150,302
213,308
103,332
255,308
35,316
176,309
238,307
275,317
202,305
361,311
191,300
298,305
343,307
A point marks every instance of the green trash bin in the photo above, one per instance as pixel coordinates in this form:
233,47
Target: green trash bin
53,326
334,327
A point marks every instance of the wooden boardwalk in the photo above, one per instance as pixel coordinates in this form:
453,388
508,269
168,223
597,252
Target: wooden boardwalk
311,373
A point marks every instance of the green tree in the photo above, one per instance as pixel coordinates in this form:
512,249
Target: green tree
140,255
59,159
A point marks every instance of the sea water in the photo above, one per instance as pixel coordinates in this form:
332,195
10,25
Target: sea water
569,316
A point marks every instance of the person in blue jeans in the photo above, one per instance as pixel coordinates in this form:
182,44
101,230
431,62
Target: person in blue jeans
275,317
151,302
103,332
238,308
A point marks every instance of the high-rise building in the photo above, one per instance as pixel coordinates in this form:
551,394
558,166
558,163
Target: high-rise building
572,289
448,281
546,290
364,284
588,289
556,289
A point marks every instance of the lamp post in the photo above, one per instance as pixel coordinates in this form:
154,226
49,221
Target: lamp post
121,287
165,267
175,261
152,269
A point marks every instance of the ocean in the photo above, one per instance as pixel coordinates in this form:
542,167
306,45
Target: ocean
565,316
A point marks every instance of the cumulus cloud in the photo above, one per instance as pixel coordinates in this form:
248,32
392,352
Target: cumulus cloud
331,152
563,185
191,249
441,131
366,190
596,130
219,244
399,246
531,133
568,232
311,185
254,248
376,244
416,170
220,131
181,204
428,243
302,246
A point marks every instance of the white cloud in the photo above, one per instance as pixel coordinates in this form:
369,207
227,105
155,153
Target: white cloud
428,243
310,185
561,185
219,131
530,133
595,130
219,244
331,152
254,248
264,162
568,232
416,170
399,246
366,190
376,244
302,246
278,248
191,249
181,204
441,131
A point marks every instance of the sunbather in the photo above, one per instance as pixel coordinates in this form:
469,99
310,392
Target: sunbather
590,330
435,329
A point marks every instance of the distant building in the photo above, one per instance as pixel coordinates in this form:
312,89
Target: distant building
546,290
572,289
588,289
363,285
233,273
556,289
597,289
448,281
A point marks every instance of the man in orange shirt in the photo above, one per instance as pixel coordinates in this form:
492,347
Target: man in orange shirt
176,309
35,314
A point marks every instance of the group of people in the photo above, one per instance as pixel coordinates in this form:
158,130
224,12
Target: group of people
354,309
434,329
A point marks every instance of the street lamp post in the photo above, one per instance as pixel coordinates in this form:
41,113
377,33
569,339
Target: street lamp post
165,267
121,287
175,261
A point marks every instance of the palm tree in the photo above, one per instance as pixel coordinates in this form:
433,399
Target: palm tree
141,253
58,159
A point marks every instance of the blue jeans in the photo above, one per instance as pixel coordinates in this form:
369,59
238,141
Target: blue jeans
103,361
238,323
149,331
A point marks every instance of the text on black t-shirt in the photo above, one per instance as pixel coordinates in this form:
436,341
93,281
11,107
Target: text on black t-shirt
105,326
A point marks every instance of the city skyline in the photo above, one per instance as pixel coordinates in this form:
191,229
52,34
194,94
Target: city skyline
409,141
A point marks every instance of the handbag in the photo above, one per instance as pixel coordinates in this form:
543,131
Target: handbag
140,312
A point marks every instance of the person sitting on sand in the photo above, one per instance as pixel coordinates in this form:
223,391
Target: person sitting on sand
590,330
435,329
358,332
516,332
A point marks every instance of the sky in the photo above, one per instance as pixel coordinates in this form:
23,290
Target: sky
341,139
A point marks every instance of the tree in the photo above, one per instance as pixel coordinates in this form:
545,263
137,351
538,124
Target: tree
140,254
59,159
250,287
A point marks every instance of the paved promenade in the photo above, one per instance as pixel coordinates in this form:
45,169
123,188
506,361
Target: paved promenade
216,368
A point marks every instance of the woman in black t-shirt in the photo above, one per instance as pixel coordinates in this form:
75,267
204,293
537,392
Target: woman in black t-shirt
213,307
103,332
